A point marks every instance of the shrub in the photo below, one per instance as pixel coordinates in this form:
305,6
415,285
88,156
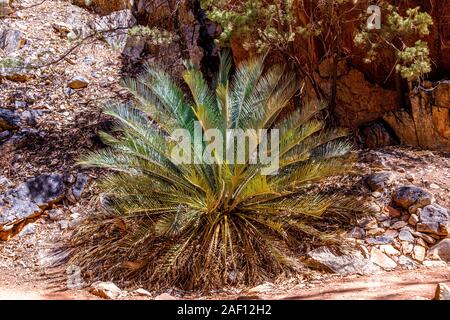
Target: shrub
205,225
413,59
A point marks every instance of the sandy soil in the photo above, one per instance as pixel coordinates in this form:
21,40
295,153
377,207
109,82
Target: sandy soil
398,285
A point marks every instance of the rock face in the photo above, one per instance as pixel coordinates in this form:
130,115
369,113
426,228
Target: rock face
434,219
439,41
29,200
366,98
382,121
412,198
364,94
359,101
327,259
115,21
427,124
188,23
326,71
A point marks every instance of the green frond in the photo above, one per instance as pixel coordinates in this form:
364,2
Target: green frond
311,171
306,205
223,75
195,225
242,87
323,137
148,103
205,104
170,96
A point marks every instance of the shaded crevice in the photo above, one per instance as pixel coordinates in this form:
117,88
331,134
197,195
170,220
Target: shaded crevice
206,40
376,134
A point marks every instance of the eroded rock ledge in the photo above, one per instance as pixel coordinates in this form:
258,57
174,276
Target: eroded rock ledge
427,124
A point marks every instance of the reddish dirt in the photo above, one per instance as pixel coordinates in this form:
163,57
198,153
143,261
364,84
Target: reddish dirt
417,284
398,285
49,287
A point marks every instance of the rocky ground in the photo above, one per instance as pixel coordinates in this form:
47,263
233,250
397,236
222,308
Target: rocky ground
52,84
51,106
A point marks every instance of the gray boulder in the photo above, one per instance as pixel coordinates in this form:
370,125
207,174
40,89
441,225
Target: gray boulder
434,219
380,240
440,251
118,20
330,260
412,198
379,181
11,40
9,120
13,212
28,201
405,235
43,190
75,192
407,262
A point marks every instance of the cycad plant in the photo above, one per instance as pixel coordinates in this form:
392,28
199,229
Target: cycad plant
197,225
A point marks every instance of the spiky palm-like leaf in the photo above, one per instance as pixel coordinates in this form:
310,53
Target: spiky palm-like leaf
198,225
